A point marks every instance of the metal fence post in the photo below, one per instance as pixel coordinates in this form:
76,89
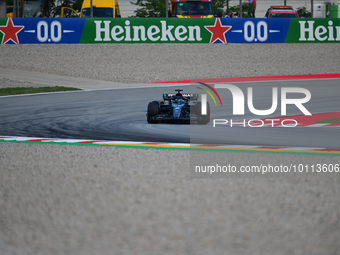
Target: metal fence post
3,8
312,8
15,8
240,9
91,3
166,9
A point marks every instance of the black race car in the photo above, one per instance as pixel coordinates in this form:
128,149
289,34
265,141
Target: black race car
178,108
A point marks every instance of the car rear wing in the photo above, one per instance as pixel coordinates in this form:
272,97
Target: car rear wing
189,96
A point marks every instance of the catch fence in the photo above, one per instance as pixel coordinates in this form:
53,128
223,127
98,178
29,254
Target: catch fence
127,9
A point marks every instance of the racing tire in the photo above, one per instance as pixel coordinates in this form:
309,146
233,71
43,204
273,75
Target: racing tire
205,118
153,110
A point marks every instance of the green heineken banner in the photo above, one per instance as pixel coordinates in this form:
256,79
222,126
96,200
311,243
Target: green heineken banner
168,30
158,30
313,30
146,31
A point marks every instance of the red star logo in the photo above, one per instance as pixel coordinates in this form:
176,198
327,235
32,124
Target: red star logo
10,32
217,31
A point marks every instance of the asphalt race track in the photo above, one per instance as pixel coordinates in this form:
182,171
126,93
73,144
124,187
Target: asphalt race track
66,199
120,115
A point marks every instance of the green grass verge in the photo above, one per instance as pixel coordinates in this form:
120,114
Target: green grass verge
331,120
31,90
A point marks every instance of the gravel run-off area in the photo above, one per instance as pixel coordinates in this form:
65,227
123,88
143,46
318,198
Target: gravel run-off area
156,62
105,200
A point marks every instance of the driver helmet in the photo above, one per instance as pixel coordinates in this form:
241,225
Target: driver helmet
179,95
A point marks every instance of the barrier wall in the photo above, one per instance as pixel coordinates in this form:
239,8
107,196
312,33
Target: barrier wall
162,30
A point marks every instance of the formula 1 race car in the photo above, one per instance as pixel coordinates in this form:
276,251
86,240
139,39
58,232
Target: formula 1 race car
178,108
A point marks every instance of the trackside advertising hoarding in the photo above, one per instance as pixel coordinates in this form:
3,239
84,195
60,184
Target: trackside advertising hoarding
313,31
162,30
